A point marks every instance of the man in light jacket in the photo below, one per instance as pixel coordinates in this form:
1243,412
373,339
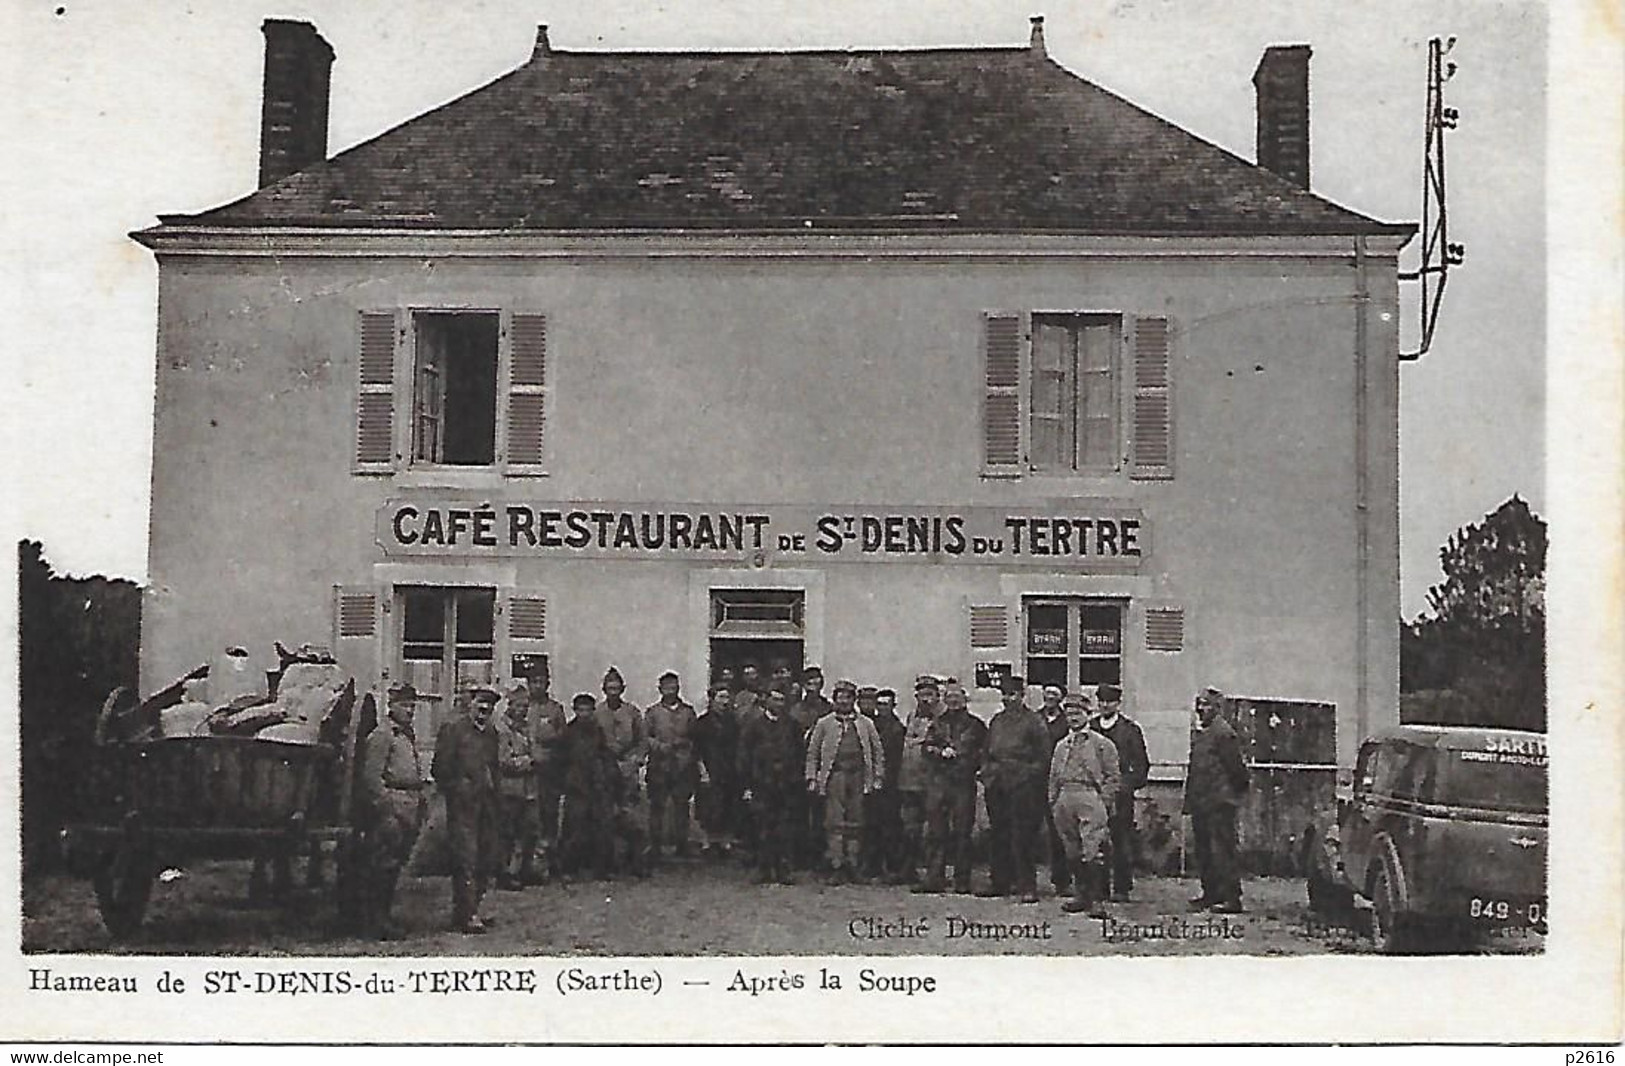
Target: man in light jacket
1083,784
844,764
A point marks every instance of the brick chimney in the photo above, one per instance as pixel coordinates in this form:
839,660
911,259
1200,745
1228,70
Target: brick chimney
1282,84
293,118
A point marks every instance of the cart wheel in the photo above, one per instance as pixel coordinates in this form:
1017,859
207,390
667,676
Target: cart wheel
123,885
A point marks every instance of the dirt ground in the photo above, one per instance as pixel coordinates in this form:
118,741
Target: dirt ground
694,907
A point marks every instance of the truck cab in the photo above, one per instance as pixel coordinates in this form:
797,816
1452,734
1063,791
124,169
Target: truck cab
1443,832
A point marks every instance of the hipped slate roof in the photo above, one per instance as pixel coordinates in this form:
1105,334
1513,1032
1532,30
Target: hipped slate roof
982,140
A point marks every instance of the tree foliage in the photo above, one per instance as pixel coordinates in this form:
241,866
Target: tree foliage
1482,639
80,639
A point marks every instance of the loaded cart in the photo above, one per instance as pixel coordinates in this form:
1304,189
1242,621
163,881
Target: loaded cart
170,799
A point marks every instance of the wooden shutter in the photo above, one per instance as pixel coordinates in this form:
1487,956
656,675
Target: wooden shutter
527,395
523,615
375,393
1165,629
355,630
1003,338
1152,438
989,627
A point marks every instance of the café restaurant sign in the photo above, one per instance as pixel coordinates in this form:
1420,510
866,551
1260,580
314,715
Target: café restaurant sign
1080,535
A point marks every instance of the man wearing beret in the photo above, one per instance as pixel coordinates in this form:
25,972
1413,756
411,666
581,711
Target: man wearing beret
393,806
465,771
843,766
1014,770
1126,737
953,751
1083,785
1215,784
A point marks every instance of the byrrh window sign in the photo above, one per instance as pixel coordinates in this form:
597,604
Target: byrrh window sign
1079,535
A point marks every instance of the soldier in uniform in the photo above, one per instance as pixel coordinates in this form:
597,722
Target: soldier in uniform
1014,772
547,752
673,772
465,771
808,846
1060,876
771,762
911,775
622,725
1215,784
1126,737
953,749
1083,785
883,829
585,805
749,690
517,821
394,804
844,765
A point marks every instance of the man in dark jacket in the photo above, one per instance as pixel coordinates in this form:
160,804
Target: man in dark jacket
1215,783
465,771
953,752
771,763
716,746
1054,715
587,781
1126,737
808,848
1015,769
883,844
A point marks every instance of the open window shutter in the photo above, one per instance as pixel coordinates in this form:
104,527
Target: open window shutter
1152,437
356,622
375,396
1002,343
524,622
526,395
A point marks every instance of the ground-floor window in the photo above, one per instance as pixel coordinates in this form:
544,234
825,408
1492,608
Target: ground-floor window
447,640
1073,642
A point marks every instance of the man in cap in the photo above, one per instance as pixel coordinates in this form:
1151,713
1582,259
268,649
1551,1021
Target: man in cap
1126,737
517,824
716,745
622,724
749,690
673,772
547,721
771,761
588,787
465,771
1054,716
1083,784
1215,784
1014,771
394,804
883,830
844,765
805,711
911,777
952,749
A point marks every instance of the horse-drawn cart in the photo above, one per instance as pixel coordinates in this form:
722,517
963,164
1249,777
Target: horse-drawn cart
176,799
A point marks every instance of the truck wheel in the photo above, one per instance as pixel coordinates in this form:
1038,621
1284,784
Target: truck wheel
123,886
1390,926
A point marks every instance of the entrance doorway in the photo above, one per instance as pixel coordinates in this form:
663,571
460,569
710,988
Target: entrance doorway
447,639
762,626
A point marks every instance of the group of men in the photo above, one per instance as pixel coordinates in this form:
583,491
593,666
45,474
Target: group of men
789,777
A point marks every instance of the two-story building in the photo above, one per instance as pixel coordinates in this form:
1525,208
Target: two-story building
893,361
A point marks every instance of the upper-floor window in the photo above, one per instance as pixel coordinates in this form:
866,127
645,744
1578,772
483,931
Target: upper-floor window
1074,402
1076,394
454,388
451,388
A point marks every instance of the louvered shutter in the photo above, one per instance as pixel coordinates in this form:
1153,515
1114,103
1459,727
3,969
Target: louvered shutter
1152,435
988,632
524,622
375,394
1165,629
527,395
355,630
1003,338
